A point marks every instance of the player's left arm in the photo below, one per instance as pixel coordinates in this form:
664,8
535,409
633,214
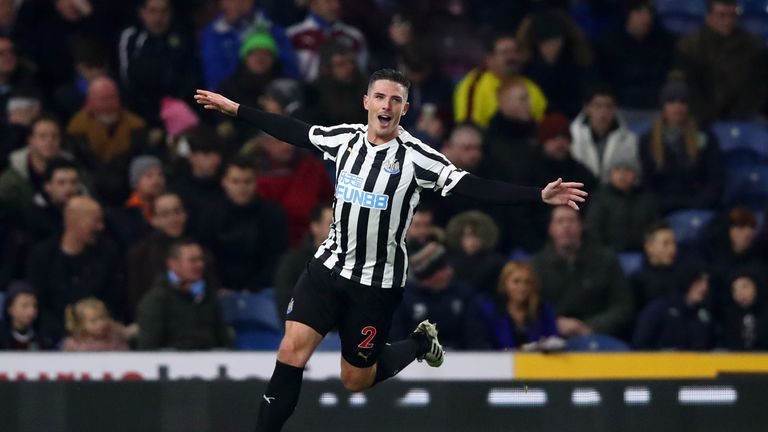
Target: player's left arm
557,192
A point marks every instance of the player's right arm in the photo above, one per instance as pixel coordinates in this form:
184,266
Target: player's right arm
282,127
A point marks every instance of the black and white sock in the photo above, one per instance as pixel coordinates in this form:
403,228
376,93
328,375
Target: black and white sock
280,398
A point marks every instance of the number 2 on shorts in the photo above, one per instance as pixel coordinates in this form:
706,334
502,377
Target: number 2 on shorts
370,333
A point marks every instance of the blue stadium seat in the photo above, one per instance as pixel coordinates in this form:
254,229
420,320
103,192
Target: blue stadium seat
519,254
689,225
681,16
738,137
631,262
253,309
747,184
2,304
256,338
596,342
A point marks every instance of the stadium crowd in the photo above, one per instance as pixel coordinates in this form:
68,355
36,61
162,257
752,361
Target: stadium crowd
129,217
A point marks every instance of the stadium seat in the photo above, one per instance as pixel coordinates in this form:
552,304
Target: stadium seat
681,16
257,310
596,342
747,184
689,225
631,262
755,17
2,304
519,254
255,338
737,137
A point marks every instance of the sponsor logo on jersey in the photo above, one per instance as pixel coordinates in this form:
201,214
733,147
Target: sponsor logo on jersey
349,188
392,166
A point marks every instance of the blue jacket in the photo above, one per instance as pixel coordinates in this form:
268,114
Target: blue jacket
220,47
502,328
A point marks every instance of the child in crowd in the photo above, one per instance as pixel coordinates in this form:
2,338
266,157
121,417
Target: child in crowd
745,323
92,329
19,325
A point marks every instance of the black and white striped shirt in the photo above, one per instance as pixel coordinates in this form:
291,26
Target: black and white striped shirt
377,189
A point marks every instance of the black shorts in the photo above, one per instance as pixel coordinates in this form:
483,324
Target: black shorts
363,314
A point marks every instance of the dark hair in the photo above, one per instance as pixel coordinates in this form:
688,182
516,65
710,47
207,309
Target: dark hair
241,162
153,203
389,75
711,3
655,227
489,40
599,89
636,5
203,139
317,211
58,164
43,118
174,250
741,217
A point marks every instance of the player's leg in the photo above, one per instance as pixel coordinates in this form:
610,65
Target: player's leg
311,314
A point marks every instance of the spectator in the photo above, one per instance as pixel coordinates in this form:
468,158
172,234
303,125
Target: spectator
659,274
338,86
92,329
13,74
222,38
600,134
23,108
509,140
294,179
132,222
582,280
620,210
91,61
259,65
293,263
681,162
246,234
679,321
516,315
8,9
551,47
471,238
423,229
24,177
182,311
476,96
286,96
745,327
527,228
107,137
323,27
725,66
431,292
156,59
79,263
19,329
636,58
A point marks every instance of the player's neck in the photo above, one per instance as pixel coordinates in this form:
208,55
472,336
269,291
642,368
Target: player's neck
374,139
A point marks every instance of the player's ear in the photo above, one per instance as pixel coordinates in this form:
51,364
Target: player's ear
406,107
365,101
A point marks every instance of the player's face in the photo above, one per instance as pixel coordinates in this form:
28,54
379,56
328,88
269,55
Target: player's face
385,102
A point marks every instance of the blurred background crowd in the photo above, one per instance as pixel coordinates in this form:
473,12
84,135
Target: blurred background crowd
131,219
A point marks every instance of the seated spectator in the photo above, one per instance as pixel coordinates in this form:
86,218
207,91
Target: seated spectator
132,222
476,97
293,263
292,178
423,229
682,164
23,108
92,329
78,263
91,61
156,59
745,324
659,274
24,177
323,27
725,66
246,234
517,315
551,47
582,280
619,211
13,73
636,58
222,38
182,311
600,134
286,96
471,238
107,137
338,87
679,321
431,292
19,329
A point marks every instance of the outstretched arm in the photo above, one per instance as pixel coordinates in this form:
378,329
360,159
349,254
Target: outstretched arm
282,127
497,192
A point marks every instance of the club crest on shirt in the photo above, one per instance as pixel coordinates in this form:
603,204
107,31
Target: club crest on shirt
392,166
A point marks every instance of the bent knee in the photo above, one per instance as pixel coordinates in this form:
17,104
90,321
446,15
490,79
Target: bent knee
356,381
293,353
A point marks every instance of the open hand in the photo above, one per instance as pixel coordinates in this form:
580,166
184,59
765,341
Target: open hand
563,193
214,101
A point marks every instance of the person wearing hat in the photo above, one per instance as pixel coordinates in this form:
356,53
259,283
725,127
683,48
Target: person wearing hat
19,329
621,209
681,161
431,291
259,65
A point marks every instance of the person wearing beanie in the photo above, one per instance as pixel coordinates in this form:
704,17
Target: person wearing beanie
681,161
285,96
432,291
680,321
621,209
